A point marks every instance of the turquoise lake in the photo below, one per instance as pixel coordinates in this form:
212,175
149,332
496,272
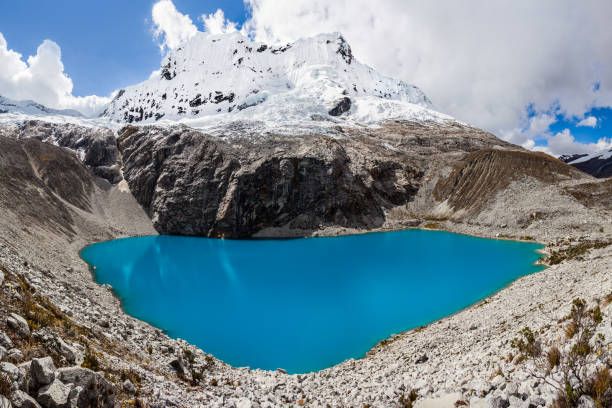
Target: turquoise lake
303,304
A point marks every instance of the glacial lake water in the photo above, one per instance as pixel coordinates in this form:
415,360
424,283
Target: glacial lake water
303,304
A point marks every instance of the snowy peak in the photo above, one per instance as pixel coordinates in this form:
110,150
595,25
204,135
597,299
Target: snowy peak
230,77
598,164
32,108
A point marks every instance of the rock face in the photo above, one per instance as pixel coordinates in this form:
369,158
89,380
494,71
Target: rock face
95,147
194,184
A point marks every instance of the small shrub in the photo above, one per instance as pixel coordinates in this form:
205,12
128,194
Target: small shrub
570,329
91,360
214,382
554,357
407,401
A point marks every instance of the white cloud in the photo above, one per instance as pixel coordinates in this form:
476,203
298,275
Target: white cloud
589,121
41,78
482,62
171,26
564,143
216,23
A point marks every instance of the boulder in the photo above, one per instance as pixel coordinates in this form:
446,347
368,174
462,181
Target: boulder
54,395
18,324
586,402
42,371
5,341
14,355
129,388
11,370
5,403
498,402
95,389
3,353
22,400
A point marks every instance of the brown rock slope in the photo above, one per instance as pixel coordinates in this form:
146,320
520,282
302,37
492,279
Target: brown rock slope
476,178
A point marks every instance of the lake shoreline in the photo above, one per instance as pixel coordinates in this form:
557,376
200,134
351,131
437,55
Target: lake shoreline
459,347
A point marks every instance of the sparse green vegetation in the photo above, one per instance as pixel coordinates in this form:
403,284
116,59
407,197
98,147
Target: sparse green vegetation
574,251
573,369
432,225
407,401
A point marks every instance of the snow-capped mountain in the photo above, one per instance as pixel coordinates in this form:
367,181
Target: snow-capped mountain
598,164
32,108
229,77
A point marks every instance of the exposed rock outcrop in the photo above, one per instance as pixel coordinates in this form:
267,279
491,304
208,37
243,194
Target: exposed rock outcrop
192,183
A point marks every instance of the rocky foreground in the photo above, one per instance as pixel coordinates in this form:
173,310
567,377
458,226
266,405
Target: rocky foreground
77,347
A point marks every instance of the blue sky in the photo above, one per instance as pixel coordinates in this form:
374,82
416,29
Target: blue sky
105,45
497,65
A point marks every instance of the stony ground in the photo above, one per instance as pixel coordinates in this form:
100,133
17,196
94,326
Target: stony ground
466,357
462,357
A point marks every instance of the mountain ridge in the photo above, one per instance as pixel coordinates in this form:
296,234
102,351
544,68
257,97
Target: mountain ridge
230,77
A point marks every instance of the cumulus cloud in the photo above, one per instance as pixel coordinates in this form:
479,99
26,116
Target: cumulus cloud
589,121
41,78
482,62
216,23
172,28
564,143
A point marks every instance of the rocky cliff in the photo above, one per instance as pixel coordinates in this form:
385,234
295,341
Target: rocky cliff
191,183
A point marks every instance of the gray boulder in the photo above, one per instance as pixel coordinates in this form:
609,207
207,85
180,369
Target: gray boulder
14,355
42,371
54,395
5,341
95,389
22,400
11,370
5,403
18,324
3,353
586,402
498,402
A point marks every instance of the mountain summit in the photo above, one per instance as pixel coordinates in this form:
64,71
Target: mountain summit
230,77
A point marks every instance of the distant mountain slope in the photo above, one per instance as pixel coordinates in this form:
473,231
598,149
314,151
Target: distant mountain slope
597,164
229,77
32,108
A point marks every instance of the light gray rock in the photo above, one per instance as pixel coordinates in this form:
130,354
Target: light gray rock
498,402
512,389
129,388
10,370
95,389
18,324
5,403
5,340
1,278
54,395
3,352
42,370
22,400
537,401
14,355
586,402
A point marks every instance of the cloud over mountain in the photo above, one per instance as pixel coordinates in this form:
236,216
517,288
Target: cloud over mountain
483,62
41,77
